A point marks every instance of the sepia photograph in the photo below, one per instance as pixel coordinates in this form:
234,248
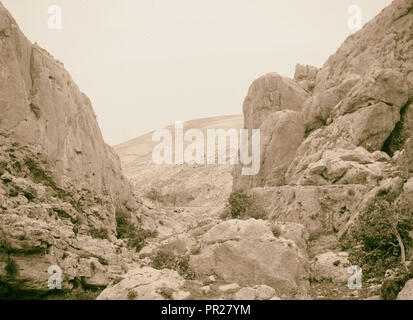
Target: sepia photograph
222,152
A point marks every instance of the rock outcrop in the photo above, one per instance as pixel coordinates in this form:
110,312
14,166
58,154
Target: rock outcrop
335,140
345,126
146,284
254,252
60,184
360,99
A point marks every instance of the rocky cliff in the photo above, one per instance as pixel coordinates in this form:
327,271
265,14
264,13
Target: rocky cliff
345,126
61,185
336,149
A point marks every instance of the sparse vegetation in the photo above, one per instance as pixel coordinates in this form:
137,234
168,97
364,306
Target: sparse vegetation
383,232
36,110
132,295
30,193
124,226
136,236
167,260
173,199
43,176
117,280
101,233
166,293
276,231
11,268
13,193
243,206
138,239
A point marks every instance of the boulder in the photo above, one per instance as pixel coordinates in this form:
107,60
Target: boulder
248,253
330,266
271,93
281,134
146,284
264,292
246,293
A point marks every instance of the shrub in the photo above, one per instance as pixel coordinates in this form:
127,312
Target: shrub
154,195
101,233
117,280
243,206
276,231
379,229
12,269
166,293
132,295
167,260
43,176
30,193
13,193
173,199
124,227
139,239
36,110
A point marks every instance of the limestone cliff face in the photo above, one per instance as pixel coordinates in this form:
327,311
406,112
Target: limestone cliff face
60,184
345,126
41,106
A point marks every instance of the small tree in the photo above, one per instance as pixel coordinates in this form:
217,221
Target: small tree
383,230
241,205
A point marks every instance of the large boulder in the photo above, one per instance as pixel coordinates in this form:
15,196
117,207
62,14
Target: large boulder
146,284
281,134
330,266
271,93
273,105
254,252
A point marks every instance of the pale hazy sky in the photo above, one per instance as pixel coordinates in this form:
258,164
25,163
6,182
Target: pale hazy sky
146,63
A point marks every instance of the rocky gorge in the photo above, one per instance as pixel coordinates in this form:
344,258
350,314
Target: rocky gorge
335,187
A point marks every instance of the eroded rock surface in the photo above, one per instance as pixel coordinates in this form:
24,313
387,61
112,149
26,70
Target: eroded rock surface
60,184
250,253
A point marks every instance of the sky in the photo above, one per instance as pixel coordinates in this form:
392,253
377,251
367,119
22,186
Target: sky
147,63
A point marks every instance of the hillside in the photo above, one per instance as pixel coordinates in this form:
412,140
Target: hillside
197,185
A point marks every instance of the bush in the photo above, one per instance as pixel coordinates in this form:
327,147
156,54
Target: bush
183,197
243,206
154,195
12,269
101,233
377,231
166,293
138,239
132,295
136,236
167,260
36,110
124,227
